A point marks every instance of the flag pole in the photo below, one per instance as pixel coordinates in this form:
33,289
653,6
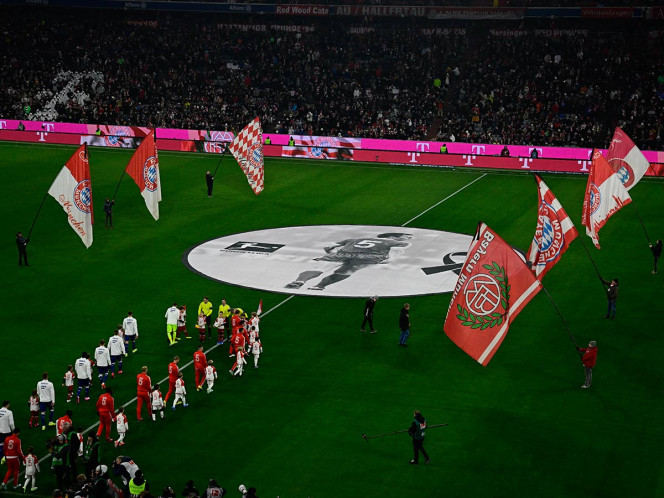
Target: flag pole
221,159
641,221
561,316
118,187
591,260
37,215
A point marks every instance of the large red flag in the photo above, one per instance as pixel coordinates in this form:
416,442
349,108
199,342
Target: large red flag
605,195
144,169
493,287
247,148
626,159
73,190
553,233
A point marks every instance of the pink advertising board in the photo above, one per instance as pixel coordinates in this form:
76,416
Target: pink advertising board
323,148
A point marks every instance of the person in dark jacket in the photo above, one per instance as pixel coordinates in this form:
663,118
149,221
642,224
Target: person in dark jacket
368,314
22,242
656,253
589,358
611,296
416,430
404,325
209,179
108,209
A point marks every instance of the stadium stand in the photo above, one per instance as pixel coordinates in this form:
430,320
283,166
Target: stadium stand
544,82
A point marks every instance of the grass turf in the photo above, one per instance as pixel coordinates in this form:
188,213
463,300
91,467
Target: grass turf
293,427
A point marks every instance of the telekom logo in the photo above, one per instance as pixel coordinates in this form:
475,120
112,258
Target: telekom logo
46,127
477,150
421,147
526,161
584,165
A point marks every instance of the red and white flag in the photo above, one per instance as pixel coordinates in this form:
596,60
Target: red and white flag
143,167
493,287
260,308
72,189
553,233
605,195
626,159
247,148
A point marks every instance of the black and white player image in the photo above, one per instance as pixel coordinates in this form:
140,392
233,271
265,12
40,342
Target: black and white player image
353,255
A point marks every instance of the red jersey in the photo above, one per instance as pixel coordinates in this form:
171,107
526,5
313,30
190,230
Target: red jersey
13,447
105,404
235,322
173,371
238,341
143,383
200,361
62,424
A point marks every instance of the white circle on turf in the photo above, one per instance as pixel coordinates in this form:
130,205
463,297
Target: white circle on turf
335,260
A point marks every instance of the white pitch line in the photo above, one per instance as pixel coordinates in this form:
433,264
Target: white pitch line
449,196
166,378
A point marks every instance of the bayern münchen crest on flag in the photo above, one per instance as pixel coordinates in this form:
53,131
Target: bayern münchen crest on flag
150,173
247,148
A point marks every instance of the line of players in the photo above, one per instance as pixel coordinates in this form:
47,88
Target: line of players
109,359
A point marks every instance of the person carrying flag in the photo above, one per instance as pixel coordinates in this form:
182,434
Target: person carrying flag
589,359
656,253
416,431
611,296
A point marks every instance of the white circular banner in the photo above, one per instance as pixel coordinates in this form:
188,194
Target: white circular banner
335,260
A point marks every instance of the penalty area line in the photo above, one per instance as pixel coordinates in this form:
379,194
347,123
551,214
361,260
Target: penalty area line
443,200
191,362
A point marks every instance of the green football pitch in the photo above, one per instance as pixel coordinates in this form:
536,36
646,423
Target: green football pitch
293,428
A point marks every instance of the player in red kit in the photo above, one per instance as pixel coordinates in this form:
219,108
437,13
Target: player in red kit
239,341
200,363
143,388
14,457
173,372
106,411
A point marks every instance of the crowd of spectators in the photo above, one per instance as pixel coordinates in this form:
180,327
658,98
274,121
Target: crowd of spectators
382,78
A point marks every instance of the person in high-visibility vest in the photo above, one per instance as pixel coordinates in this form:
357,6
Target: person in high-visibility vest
137,484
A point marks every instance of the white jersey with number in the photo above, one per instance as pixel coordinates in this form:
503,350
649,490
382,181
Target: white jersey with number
130,326
122,423
6,421
179,387
83,368
256,348
34,403
182,318
69,379
46,391
254,322
102,356
157,401
31,464
210,372
116,345
172,315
